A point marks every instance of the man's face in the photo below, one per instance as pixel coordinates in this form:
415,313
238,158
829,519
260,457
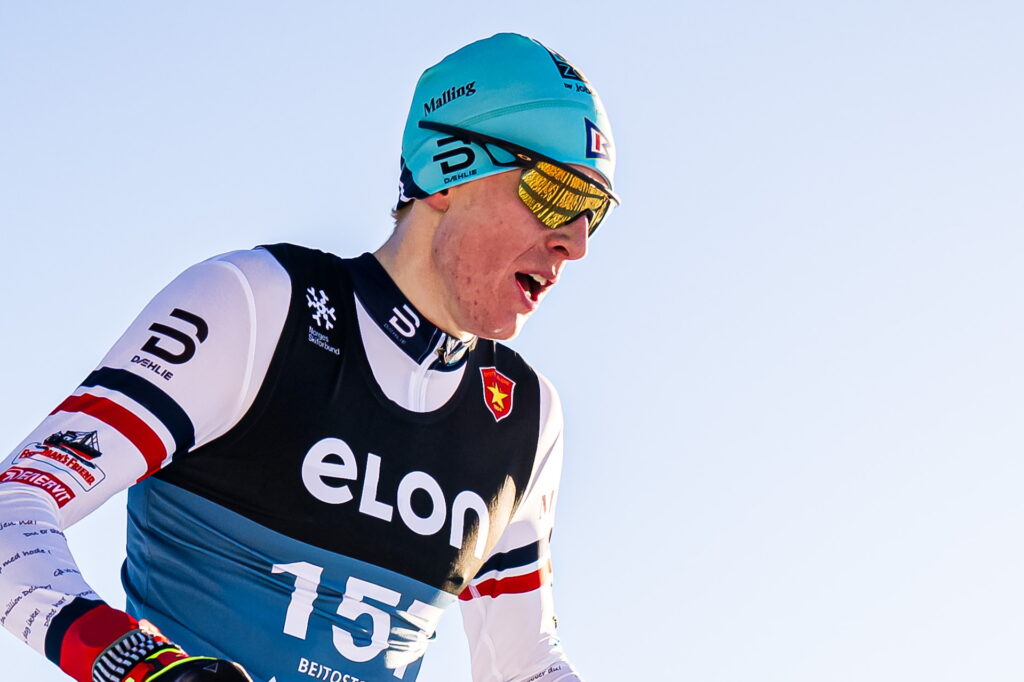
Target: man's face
495,261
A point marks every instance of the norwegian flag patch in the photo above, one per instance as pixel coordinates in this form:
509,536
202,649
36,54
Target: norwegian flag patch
598,144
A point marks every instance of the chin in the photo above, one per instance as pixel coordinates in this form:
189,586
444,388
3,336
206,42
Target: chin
505,336
503,331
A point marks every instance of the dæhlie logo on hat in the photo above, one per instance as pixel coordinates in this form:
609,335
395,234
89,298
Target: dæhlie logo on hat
598,144
498,390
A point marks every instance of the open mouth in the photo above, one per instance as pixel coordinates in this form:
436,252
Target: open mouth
533,285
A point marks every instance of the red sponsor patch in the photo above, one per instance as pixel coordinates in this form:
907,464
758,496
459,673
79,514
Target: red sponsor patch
498,390
61,493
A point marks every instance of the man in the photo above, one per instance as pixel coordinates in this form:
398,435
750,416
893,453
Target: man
323,453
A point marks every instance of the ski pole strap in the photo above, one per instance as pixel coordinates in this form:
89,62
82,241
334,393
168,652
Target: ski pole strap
135,655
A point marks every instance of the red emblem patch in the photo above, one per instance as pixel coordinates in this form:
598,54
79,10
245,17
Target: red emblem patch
498,390
60,493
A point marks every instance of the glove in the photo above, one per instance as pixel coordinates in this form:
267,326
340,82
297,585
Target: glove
186,669
146,655
96,643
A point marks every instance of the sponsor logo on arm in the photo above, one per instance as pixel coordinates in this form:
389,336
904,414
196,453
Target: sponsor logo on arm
70,452
53,486
171,344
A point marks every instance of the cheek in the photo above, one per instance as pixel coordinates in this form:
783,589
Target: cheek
452,259
470,254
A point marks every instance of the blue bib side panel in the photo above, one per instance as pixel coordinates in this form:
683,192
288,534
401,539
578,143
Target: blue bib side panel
254,595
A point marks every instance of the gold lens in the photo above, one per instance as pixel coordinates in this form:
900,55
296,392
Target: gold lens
557,196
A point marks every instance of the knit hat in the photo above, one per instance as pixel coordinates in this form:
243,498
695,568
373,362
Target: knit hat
510,87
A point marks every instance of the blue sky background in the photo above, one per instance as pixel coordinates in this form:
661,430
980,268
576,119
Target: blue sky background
791,364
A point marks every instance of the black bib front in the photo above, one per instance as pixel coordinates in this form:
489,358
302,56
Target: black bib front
319,389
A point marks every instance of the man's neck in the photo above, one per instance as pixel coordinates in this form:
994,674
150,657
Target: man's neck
405,256
401,320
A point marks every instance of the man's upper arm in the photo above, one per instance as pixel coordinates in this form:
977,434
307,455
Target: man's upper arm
507,610
183,373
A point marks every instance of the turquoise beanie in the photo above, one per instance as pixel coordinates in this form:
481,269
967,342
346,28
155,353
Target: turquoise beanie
510,87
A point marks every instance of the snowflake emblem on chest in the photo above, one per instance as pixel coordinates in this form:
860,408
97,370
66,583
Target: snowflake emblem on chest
322,314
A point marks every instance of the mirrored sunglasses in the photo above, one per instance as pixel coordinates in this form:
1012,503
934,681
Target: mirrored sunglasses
554,192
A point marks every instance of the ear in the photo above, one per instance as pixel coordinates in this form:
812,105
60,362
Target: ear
438,201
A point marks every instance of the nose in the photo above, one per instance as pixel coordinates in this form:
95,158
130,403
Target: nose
570,240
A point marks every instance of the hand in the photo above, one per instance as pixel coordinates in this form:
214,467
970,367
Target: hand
196,669
167,662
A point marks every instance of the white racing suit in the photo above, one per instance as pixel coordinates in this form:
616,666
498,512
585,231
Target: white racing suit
316,472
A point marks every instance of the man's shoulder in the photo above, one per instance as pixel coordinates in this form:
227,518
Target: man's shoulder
288,252
303,262
505,355
548,403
